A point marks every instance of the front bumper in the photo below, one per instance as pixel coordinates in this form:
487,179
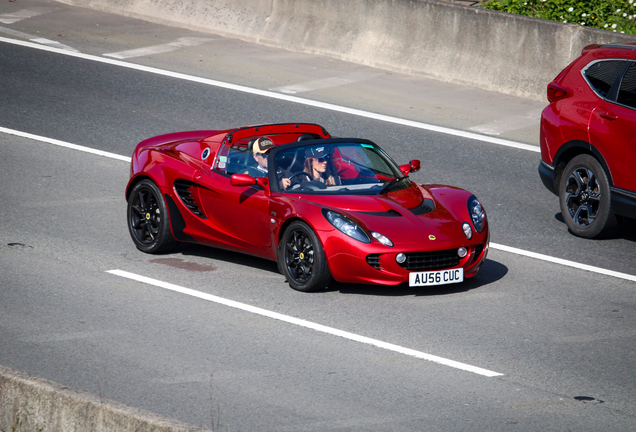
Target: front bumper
371,264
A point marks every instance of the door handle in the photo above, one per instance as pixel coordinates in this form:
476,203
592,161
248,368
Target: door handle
608,115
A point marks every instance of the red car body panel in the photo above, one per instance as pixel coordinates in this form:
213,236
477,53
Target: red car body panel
250,219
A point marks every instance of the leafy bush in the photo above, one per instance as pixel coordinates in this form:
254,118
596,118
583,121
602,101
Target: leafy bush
614,15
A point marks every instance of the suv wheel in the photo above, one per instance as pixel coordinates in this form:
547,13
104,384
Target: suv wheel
584,193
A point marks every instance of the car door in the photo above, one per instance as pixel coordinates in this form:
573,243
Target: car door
239,214
612,131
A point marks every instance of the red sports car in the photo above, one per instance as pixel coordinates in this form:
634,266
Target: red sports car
324,208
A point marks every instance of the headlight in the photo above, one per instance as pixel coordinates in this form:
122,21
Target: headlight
477,214
346,226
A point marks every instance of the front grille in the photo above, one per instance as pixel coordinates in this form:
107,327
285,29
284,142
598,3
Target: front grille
374,261
432,260
182,187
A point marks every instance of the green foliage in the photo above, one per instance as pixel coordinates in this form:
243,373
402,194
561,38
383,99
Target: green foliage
613,15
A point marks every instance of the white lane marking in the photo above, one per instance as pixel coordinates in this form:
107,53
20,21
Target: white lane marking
326,83
564,262
65,144
287,98
157,49
304,323
14,17
511,123
36,39
492,245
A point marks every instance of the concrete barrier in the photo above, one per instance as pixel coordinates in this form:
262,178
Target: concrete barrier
35,404
491,50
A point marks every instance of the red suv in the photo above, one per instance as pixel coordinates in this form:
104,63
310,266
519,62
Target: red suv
588,139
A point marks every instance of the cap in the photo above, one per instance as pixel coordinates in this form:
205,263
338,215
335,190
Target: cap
262,145
316,152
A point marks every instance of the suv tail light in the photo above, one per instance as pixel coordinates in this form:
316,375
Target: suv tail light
557,92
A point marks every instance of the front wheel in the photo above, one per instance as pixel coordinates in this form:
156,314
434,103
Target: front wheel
148,219
301,259
584,195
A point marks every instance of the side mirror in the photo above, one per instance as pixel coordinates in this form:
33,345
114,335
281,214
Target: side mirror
415,165
412,166
242,180
247,180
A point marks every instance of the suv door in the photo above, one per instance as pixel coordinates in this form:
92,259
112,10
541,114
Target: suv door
612,130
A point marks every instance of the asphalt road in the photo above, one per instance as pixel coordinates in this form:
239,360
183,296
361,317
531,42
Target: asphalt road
562,337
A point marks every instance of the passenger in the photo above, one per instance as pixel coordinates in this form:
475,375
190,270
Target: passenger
260,148
319,168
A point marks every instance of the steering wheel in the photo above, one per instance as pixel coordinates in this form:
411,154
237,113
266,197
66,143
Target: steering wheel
298,174
306,184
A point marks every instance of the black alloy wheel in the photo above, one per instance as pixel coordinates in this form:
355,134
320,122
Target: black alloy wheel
148,219
584,195
301,259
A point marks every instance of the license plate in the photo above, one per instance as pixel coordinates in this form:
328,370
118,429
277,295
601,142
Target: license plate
441,277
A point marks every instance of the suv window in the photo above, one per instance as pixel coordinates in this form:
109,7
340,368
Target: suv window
601,75
627,92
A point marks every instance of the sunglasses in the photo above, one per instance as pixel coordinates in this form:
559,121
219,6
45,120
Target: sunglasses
322,159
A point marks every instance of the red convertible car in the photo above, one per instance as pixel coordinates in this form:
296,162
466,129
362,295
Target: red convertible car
324,208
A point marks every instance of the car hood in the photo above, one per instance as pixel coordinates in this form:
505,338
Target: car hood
406,198
407,216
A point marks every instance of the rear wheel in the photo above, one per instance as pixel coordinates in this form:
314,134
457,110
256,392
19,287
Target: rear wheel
584,194
148,219
301,259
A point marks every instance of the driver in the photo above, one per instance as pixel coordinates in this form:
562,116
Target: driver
260,148
317,165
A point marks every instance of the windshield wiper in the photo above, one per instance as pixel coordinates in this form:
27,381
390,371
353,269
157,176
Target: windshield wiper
392,183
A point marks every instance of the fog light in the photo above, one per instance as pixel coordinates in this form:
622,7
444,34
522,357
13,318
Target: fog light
468,231
462,251
400,258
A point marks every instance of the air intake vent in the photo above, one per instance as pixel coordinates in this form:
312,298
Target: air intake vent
426,206
182,187
390,213
374,261
434,260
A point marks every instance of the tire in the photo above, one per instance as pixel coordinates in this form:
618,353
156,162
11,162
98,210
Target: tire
148,220
301,259
584,195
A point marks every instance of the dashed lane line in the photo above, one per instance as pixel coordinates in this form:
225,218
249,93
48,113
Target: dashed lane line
510,123
324,83
36,39
504,248
14,17
307,324
157,49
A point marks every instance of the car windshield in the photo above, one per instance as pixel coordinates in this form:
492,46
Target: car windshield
337,168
